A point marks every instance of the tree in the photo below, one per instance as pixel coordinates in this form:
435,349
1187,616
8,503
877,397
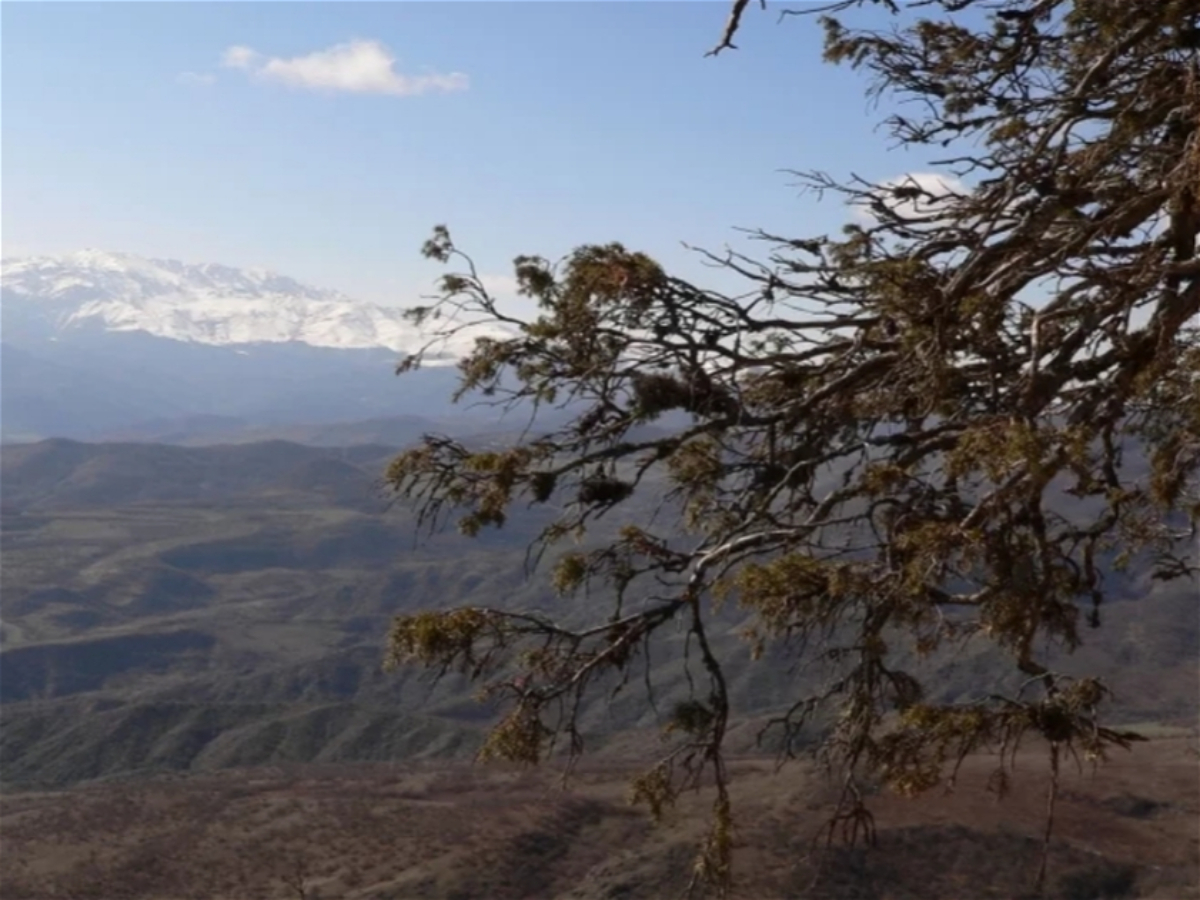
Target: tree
873,432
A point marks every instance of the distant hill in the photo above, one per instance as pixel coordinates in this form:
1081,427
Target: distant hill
169,607
64,474
109,384
390,431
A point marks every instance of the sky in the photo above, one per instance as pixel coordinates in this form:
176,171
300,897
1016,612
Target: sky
324,140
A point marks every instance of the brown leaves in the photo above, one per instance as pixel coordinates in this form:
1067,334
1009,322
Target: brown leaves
437,639
520,737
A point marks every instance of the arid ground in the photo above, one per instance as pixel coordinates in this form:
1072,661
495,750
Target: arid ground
413,831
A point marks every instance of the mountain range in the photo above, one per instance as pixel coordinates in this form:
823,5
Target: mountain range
98,343
55,296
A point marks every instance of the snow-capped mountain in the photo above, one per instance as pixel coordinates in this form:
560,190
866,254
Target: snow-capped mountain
97,344
205,304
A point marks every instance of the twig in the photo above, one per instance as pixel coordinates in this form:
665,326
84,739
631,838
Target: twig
732,25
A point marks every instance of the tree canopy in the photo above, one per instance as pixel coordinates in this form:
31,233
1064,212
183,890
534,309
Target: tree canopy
861,447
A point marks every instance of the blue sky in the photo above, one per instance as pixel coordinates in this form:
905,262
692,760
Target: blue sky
537,126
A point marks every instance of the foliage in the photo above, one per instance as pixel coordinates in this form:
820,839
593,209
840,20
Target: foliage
872,432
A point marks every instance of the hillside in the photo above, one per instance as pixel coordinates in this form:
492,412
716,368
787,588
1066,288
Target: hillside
195,608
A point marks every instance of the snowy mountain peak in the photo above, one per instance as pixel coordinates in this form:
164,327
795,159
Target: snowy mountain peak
206,303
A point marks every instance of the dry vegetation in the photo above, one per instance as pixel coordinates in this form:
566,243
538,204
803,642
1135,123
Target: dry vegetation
866,441
441,832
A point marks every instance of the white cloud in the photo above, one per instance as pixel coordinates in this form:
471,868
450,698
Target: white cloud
196,78
915,195
360,67
238,58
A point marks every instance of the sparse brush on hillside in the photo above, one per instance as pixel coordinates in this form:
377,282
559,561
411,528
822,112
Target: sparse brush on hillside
976,346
